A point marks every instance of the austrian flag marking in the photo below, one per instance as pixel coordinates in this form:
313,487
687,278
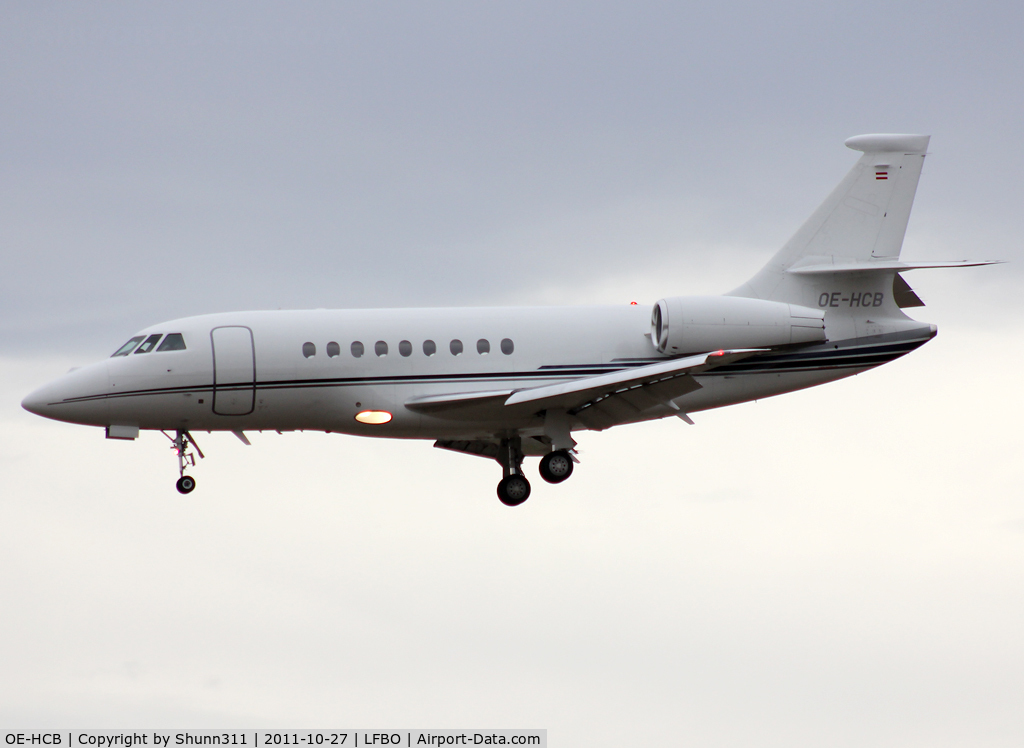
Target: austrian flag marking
881,175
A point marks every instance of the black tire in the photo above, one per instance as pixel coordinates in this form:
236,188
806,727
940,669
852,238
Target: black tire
556,466
514,490
185,484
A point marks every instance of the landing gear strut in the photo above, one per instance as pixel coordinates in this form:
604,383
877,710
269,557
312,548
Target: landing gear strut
513,489
182,444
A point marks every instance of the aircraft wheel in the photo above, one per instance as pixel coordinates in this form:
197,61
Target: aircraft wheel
185,484
514,490
556,466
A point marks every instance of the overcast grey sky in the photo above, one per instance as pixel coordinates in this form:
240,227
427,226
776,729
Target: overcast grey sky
840,566
164,160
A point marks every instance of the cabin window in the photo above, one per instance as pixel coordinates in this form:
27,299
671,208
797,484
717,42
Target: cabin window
333,349
405,348
429,347
483,346
455,347
308,350
173,342
128,347
380,348
507,346
149,345
357,349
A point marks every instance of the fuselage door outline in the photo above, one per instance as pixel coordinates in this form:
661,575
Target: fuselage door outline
234,374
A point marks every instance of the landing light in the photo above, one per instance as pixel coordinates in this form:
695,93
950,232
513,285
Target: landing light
373,417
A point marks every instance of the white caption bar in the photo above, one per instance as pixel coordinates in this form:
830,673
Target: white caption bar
338,738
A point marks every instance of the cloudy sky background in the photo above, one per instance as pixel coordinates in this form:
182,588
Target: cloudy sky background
843,565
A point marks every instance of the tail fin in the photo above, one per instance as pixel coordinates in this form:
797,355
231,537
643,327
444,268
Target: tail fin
861,223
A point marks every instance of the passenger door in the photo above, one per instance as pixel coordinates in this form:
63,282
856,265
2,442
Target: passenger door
234,371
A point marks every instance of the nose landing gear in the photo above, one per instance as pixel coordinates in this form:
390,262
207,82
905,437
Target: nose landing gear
182,443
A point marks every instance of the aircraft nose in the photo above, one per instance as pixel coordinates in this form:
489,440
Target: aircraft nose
72,397
38,401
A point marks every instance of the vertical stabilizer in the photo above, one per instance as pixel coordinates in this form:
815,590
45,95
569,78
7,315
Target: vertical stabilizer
863,220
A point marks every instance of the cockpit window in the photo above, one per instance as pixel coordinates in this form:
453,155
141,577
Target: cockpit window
128,347
173,342
149,345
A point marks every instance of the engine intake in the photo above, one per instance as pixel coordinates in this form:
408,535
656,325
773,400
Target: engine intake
692,324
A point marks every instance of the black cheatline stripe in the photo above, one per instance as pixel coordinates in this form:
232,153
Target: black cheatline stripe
822,361
844,351
782,359
815,353
301,385
851,363
287,383
197,389
822,357
621,364
858,363
851,356
336,382
419,380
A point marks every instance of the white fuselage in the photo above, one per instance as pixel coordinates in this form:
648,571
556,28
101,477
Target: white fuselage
211,385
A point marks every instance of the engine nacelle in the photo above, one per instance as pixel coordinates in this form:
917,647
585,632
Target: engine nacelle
692,324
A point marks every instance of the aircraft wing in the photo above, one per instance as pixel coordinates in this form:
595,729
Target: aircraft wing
604,400
456,400
598,401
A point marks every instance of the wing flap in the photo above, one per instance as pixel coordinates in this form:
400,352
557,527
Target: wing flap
672,389
641,399
660,379
596,418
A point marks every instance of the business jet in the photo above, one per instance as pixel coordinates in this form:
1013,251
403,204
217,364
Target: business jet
510,383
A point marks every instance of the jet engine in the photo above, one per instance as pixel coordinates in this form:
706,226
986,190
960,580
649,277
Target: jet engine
691,324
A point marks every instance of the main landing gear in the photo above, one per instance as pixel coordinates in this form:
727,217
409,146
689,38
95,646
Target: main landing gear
182,444
514,489
556,466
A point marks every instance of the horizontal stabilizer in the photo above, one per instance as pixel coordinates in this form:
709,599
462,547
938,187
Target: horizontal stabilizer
867,267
